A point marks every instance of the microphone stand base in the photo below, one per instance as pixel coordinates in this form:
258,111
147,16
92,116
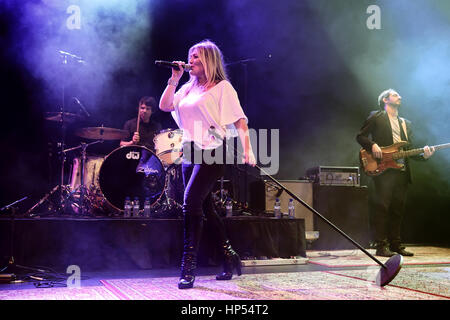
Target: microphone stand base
393,266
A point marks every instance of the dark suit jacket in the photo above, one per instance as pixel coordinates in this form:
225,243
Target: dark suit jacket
377,129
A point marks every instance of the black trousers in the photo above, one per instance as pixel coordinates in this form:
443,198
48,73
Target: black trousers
386,206
199,180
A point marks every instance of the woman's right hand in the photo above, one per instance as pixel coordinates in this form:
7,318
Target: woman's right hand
177,74
166,101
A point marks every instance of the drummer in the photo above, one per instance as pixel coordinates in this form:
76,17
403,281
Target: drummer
147,126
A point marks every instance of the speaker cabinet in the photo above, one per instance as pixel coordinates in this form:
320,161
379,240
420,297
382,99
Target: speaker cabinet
347,208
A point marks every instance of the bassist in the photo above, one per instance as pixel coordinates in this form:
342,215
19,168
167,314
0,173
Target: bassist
387,191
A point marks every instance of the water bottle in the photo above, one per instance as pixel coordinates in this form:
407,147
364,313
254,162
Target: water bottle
277,208
127,207
147,207
136,207
291,209
229,208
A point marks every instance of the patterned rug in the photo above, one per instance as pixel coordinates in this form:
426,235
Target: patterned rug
425,276
63,293
319,285
433,281
357,258
426,283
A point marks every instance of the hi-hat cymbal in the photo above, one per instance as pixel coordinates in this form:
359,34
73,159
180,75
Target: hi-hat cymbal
101,133
58,116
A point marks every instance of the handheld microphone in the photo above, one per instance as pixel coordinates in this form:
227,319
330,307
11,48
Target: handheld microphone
173,65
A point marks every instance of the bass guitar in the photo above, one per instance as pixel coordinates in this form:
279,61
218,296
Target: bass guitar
373,166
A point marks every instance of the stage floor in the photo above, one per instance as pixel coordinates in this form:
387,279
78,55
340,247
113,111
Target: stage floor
326,275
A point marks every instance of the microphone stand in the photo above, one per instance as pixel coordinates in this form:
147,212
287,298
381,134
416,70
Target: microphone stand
244,63
11,268
388,270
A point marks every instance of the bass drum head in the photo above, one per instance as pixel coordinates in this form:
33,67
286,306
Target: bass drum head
131,171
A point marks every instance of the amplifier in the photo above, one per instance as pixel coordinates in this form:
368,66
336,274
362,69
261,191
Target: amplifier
334,176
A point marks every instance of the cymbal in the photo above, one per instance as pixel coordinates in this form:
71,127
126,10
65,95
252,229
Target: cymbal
101,133
58,116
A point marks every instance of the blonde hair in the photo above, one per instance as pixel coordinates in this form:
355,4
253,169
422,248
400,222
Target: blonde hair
212,60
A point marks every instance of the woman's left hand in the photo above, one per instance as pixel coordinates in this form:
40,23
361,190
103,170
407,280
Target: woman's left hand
249,158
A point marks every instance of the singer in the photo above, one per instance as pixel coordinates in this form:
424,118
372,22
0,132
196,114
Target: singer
206,102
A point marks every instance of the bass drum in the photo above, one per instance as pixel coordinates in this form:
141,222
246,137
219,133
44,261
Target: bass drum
131,171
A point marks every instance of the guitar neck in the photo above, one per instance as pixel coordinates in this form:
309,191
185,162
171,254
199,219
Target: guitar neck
414,152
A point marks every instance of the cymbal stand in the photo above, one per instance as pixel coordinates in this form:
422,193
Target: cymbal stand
62,154
65,58
63,189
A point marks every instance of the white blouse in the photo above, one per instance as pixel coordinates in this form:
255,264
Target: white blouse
197,112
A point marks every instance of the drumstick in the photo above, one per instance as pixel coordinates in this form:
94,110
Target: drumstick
138,118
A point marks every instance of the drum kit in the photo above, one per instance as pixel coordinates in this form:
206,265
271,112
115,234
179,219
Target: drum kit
100,185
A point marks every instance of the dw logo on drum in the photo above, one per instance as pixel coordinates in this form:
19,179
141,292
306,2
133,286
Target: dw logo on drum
133,155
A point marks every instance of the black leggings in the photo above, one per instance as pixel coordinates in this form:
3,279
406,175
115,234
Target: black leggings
199,180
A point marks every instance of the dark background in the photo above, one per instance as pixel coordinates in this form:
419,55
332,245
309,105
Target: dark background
314,74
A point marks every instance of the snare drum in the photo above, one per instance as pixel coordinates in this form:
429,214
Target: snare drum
168,146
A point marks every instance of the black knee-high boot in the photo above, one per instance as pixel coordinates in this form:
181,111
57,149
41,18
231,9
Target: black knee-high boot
193,226
231,261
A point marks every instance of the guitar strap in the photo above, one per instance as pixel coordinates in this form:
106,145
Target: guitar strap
403,127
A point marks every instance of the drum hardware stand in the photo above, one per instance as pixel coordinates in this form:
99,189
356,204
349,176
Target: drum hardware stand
222,200
170,203
65,192
222,194
63,189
